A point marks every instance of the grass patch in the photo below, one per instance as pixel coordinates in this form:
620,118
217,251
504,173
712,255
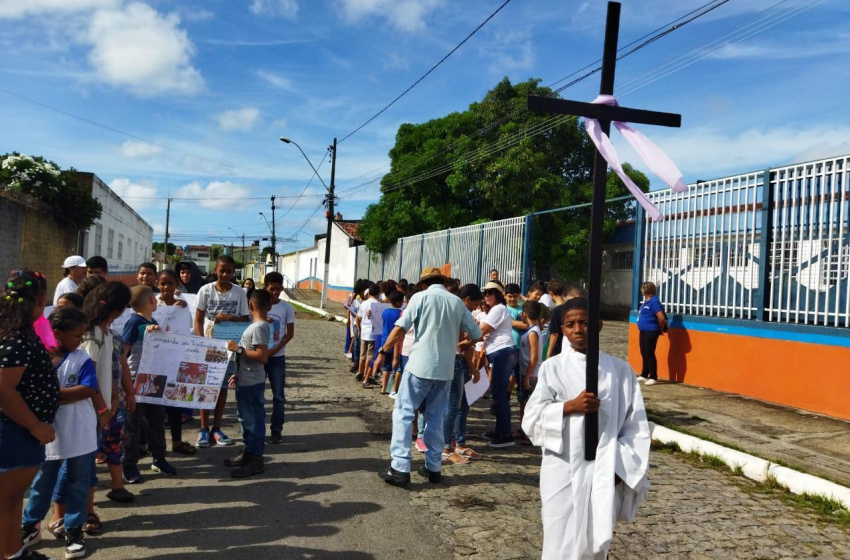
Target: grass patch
738,470
304,312
824,506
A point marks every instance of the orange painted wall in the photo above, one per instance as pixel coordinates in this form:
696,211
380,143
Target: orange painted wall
812,377
334,294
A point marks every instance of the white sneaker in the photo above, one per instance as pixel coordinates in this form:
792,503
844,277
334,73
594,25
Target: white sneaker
393,395
650,382
641,379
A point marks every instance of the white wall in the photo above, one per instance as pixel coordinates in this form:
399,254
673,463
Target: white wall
307,264
128,229
341,273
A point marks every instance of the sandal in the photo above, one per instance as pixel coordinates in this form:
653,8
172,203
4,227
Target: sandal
467,452
100,459
93,525
454,459
57,529
184,448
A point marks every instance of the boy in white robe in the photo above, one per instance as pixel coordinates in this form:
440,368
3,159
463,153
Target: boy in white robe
582,500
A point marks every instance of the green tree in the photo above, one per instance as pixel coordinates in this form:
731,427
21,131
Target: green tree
70,200
157,247
549,170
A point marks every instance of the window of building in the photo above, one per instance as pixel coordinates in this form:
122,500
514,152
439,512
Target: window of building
622,260
203,255
110,240
120,246
98,239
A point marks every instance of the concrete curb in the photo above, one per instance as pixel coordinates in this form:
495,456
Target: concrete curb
755,468
316,310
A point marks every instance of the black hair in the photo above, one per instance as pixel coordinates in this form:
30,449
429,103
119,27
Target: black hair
261,299
18,300
88,284
404,281
273,277
104,300
537,287
361,286
374,290
226,259
470,291
512,289
494,270
557,287
97,262
452,287
171,273
532,309
396,299
433,281
75,299
574,290
500,297
575,303
147,265
67,318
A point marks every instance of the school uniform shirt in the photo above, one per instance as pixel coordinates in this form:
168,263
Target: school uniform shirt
282,315
389,318
366,333
547,300
212,302
501,336
134,335
525,350
98,345
38,386
647,318
65,286
376,315
76,422
250,372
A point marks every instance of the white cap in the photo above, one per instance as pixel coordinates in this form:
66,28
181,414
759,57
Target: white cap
74,260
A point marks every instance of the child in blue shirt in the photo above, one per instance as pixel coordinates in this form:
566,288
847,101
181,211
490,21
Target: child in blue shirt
388,361
147,417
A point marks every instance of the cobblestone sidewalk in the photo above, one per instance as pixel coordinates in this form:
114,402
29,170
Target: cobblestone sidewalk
490,508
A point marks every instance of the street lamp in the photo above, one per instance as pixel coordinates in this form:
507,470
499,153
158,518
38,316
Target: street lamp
329,202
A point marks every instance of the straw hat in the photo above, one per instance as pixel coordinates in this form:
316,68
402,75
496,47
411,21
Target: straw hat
431,272
493,286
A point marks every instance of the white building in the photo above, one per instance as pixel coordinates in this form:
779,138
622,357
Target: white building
120,235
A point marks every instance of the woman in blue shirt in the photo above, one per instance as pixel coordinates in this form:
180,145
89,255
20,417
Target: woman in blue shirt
651,323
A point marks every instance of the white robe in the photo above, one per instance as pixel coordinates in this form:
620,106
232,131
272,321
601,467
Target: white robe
580,501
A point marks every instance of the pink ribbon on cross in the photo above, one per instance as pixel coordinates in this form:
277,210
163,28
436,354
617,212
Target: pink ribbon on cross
657,161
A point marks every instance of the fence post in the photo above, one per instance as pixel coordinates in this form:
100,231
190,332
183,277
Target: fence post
369,265
383,265
480,254
526,252
356,258
637,256
400,257
421,252
448,246
763,301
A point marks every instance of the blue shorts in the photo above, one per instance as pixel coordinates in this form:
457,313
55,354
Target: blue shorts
18,448
231,369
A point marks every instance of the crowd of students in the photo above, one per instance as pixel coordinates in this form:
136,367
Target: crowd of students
519,332
67,389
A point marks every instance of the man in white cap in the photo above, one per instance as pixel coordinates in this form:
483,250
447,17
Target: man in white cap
75,270
437,316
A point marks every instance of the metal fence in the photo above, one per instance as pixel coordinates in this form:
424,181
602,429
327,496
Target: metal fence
706,256
472,252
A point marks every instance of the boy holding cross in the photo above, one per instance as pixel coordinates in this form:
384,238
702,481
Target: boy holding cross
582,499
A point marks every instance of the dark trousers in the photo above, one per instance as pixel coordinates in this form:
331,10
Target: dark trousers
648,342
175,421
150,420
251,413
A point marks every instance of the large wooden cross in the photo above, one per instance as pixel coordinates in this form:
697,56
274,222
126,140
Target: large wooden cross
604,114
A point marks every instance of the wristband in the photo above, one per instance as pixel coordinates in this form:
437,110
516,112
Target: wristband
103,411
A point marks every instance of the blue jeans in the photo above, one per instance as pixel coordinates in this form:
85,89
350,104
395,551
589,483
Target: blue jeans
251,413
355,349
502,364
411,393
63,481
276,370
77,491
457,408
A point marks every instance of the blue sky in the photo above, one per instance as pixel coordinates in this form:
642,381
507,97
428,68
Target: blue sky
209,86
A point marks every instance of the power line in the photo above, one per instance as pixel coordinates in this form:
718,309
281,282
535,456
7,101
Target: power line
425,75
306,186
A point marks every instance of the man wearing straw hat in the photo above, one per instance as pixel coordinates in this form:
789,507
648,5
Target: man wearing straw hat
437,317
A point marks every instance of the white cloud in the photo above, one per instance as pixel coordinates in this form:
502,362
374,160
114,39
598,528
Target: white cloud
138,48
137,149
512,51
276,80
397,62
793,49
238,119
406,15
21,8
217,195
286,9
137,195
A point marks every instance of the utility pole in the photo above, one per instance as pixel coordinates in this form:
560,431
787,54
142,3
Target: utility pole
330,204
167,217
274,240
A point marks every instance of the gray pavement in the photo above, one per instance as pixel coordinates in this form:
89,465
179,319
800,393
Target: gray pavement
321,498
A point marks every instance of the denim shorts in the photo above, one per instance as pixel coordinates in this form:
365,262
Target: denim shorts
18,448
231,369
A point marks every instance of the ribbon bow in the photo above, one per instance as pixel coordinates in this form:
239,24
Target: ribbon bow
657,161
